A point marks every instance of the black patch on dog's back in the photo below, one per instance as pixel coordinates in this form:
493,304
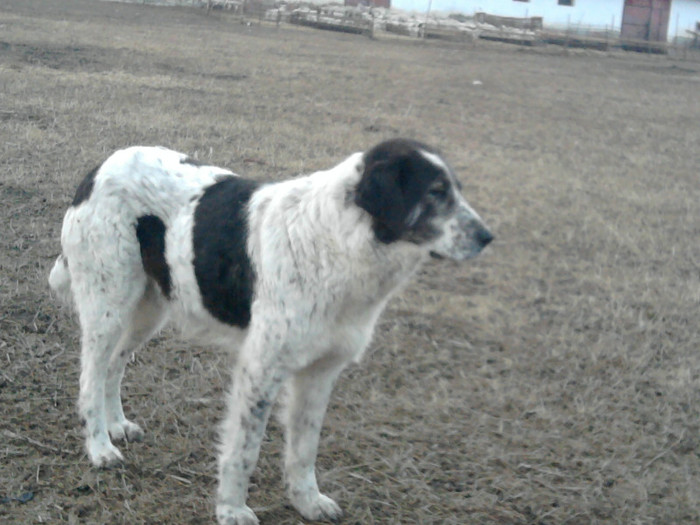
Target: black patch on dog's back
82,193
222,267
150,231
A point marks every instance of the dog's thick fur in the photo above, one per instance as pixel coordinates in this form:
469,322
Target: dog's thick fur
292,274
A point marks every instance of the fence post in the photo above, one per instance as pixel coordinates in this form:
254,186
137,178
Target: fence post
427,14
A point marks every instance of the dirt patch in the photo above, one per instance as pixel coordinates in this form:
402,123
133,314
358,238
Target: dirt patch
70,58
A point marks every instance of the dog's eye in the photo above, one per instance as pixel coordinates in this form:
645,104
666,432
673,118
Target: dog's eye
438,190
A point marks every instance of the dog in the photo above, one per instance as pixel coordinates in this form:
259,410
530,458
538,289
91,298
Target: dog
293,274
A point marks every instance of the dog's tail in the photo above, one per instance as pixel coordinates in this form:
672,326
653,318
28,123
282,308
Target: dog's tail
59,280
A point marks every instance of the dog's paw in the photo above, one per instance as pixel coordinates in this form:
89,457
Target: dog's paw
126,430
230,515
318,507
104,454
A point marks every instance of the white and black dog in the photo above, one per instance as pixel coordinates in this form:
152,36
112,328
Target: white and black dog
293,274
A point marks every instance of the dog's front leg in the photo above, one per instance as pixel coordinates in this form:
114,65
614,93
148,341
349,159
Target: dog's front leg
256,382
308,395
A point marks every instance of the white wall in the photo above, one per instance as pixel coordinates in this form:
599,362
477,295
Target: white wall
600,13
684,15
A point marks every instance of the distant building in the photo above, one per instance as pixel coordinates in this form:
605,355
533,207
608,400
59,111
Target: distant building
369,3
653,20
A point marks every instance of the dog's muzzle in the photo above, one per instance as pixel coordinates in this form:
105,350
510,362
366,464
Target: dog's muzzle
463,239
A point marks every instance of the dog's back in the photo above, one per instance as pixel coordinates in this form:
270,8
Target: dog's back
116,206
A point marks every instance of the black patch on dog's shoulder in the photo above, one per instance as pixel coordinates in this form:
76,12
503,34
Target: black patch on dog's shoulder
150,231
82,193
222,267
396,177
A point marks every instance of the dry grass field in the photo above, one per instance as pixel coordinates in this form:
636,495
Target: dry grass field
555,379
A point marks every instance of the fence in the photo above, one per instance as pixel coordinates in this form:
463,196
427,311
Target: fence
456,28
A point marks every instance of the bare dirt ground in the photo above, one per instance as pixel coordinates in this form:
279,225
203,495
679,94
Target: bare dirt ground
554,380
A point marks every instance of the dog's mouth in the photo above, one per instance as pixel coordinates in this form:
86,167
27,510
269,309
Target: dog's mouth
436,255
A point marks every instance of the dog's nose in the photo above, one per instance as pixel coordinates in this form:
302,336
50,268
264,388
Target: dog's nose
484,237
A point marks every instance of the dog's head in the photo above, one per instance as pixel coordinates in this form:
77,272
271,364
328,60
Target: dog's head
413,196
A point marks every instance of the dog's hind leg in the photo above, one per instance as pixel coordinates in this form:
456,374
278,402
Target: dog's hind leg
105,308
308,393
148,317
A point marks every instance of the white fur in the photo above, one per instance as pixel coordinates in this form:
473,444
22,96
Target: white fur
322,282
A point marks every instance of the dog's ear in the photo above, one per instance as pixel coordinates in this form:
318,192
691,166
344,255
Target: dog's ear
379,194
396,177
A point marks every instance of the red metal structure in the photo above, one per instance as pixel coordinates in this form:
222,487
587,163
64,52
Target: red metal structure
645,20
